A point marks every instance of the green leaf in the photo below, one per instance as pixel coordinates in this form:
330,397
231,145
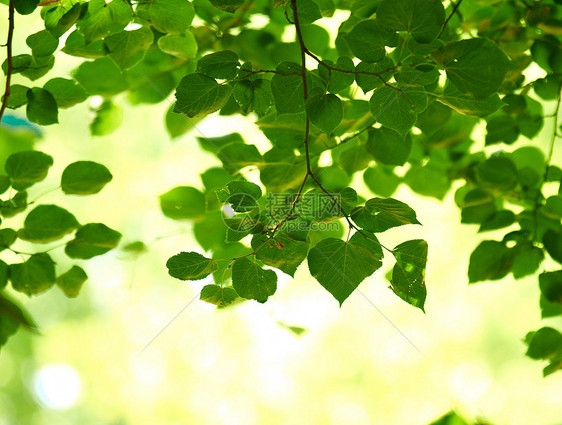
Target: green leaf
341,266
102,19
3,279
497,172
253,95
75,45
47,223
66,92
33,276
84,178
7,238
252,282
15,205
178,124
339,81
421,18
324,110
108,118
25,7
41,107
27,168
476,66
315,205
283,170
18,96
381,214
491,260
388,147
182,46
226,251
127,48
229,6
241,195
91,240
365,78
288,90
281,251
88,75
546,343
552,241
222,65
5,183
183,202
478,206
553,207
71,282
367,40
190,266
236,156
397,109
167,16
551,286
218,295
499,220
42,43
408,274
468,105
307,11
526,259
210,232
381,181
428,180
198,95
502,128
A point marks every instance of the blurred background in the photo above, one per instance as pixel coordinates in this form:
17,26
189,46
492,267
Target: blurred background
138,347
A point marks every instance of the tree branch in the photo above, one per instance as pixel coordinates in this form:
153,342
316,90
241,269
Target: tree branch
455,7
9,68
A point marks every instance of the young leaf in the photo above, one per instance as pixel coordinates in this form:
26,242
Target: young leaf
47,223
421,18
108,118
91,240
33,276
41,107
190,266
84,178
27,168
324,110
282,251
341,266
252,282
491,260
218,295
198,95
183,202
408,274
71,282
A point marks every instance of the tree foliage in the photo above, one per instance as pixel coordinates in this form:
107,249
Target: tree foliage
397,97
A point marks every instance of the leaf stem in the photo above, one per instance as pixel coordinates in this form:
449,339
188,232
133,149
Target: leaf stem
455,8
9,68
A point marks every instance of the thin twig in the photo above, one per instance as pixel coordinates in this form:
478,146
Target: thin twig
9,67
455,7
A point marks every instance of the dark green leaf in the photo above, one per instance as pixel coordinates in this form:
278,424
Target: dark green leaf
218,295
41,107
42,43
367,40
388,147
91,240
307,11
468,105
288,90
18,96
84,178
478,206
341,266
199,95
552,241
15,205
230,6
25,7
397,109
71,282
190,266
421,18
381,181
253,95
408,274
526,260
551,286
47,223
183,202
167,16
33,276
491,260
324,110
27,168
546,343
251,281
222,65
7,238
499,220
103,18
497,172
381,214
127,48
476,66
